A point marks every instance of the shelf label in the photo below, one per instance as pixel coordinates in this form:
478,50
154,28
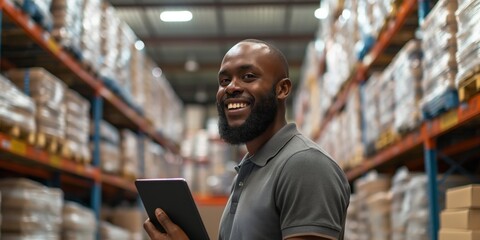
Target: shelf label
52,45
448,120
18,147
55,161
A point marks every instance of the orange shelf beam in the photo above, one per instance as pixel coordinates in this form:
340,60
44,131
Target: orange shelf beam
30,153
119,182
429,130
46,41
207,200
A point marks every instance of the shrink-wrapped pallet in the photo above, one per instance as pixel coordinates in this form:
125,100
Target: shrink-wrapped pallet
407,75
16,108
129,154
130,219
48,93
30,209
77,127
370,96
91,34
468,39
110,24
79,222
109,149
67,23
439,46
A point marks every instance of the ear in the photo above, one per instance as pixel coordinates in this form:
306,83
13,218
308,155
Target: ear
283,88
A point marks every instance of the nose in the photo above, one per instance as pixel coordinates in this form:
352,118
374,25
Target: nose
233,87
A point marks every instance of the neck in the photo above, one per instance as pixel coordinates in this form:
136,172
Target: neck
254,145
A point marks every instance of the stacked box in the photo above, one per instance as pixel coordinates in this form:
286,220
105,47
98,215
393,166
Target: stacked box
399,214
91,34
77,127
110,160
67,23
461,218
79,222
39,10
48,93
30,210
110,25
407,75
139,75
129,154
16,108
439,46
354,148
468,39
155,165
370,97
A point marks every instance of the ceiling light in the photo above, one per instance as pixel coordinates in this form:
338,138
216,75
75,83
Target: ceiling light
191,65
139,45
321,13
157,72
176,16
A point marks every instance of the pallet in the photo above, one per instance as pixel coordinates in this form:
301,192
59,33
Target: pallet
440,104
15,131
76,156
48,142
385,139
469,87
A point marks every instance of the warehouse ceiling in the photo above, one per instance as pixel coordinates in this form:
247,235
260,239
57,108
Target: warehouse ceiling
216,26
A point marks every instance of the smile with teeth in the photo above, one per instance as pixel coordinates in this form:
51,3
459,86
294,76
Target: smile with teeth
232,106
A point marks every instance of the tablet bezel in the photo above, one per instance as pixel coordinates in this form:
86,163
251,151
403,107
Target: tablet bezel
175,198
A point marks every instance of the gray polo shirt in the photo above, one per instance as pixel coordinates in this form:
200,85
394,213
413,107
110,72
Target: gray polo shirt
290,188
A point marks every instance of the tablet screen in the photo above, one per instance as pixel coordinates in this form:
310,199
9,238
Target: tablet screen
174,197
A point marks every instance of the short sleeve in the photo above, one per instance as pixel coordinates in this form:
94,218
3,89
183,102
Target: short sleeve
312,195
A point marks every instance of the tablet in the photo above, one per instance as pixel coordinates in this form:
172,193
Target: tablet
174,197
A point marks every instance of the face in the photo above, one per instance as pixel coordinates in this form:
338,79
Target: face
246,98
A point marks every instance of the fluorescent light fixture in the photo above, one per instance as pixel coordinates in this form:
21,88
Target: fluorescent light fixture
176,16
139,45
321,13
157,72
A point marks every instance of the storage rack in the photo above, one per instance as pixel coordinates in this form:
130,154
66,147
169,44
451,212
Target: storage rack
450,135
17,157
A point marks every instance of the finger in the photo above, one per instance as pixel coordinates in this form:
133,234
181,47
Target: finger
167,224
152,231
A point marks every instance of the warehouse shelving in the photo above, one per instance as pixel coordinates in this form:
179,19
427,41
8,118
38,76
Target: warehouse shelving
424,147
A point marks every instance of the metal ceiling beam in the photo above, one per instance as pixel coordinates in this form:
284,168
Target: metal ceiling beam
213,4
216,39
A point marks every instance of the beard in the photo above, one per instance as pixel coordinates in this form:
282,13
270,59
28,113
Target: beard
261,117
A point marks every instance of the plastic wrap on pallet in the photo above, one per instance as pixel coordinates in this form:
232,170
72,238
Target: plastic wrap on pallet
355,150
79,222
108,132
77,126
154,163
91,34
138,78
468,39
129,154
38,10
110,157
127,39
16,108
110,26
439,46
48,93
407,76
386,104
370,111
29,208
67,23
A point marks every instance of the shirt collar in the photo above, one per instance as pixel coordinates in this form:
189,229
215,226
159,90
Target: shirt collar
274,145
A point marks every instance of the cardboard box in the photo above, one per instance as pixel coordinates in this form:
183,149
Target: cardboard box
453,234
463,197
465,219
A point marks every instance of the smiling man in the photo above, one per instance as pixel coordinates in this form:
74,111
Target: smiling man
287,187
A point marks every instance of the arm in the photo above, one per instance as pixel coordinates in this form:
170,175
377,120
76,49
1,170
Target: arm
173,231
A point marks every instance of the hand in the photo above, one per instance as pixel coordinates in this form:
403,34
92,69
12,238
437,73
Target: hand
173,231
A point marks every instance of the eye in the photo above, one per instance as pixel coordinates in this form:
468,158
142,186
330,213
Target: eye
250,76
224,81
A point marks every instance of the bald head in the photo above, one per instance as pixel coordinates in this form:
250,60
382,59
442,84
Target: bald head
274,52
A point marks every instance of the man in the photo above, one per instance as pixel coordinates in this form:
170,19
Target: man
286,187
